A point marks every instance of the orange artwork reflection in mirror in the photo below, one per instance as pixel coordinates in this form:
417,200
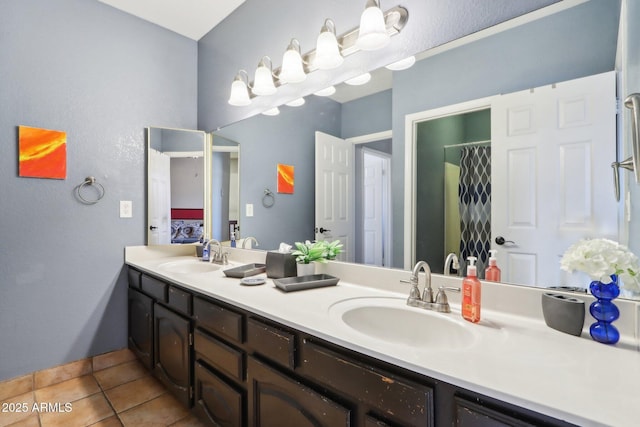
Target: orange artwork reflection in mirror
42,153
285,179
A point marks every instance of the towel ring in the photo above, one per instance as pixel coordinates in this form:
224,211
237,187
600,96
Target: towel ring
88,182
268,199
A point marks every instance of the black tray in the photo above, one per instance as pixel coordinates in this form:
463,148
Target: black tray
289,284
245,270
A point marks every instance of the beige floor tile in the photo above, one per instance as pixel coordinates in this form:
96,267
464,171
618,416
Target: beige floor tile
61,373
68,391
18,408
84,412
113,358
31,421
120,374
161,411
190,421
109,422
134,393
16,386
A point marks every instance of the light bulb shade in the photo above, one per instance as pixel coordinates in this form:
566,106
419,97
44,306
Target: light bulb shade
403,64
327,50
328,91
272,111
372,34
239,92
292,70
263,81
359,80
296,102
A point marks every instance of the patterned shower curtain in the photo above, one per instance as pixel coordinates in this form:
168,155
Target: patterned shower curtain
474,193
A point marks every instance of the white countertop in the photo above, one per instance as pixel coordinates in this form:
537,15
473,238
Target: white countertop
514,358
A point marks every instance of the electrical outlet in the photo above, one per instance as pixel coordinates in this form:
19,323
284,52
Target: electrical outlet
126,209
249,209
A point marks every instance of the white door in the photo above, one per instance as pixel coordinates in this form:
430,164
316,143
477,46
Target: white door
335,202
159,199
375,209
552,148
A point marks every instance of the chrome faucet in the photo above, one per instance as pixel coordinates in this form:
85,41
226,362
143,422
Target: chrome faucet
440,303
414,295
250,238
451,261
217,257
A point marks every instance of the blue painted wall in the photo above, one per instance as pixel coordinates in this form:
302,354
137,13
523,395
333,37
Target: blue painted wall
102,76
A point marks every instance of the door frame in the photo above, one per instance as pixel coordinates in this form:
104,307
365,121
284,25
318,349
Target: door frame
387,247
386,202
410,149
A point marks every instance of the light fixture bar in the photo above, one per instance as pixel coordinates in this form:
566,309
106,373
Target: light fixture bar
395,20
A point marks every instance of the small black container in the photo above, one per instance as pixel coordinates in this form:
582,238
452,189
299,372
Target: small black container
563,313
281,265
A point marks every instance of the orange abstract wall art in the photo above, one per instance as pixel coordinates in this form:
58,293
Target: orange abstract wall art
285,179
42,153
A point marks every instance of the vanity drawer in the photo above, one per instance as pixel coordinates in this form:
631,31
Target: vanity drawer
219,355
134,278
274,343
218,319
216,402
392,396
180,300
154,287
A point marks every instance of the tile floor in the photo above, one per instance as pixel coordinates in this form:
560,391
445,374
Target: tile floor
112,389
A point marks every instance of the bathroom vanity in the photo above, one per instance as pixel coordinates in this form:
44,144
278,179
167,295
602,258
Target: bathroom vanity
357,355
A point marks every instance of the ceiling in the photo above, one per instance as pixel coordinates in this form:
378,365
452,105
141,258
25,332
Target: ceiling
190,18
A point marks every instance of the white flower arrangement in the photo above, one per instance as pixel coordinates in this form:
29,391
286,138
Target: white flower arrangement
601,258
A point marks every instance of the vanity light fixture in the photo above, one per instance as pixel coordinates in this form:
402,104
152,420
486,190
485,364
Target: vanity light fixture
372,34
272,111
329,53
296,102
292,70
359,80
240,90
403,64
327,50
328,91
263,83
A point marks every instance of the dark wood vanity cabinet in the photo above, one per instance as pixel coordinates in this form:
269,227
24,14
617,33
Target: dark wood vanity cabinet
235,368
278,400
141,326
173,348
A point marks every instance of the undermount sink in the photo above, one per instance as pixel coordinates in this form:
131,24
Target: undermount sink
391,320
188,266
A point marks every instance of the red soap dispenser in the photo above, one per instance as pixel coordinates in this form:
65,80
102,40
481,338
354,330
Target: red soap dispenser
471,293
492,273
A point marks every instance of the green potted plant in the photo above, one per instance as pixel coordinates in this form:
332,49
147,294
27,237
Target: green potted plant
309,252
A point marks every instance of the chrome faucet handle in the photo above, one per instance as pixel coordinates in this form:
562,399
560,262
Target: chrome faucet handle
414,293
225,258
442,302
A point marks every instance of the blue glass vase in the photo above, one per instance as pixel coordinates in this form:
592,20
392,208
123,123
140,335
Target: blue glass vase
604,311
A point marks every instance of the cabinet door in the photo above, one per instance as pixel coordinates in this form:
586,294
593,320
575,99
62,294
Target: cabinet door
141,326
469,414
173,351
279,401
217,402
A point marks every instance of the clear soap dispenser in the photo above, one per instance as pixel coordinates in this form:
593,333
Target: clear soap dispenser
471,293
492,273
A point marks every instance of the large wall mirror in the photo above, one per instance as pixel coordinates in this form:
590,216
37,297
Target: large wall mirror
192,186
571,43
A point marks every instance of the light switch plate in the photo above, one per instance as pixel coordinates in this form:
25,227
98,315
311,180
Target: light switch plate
126,209
249,209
